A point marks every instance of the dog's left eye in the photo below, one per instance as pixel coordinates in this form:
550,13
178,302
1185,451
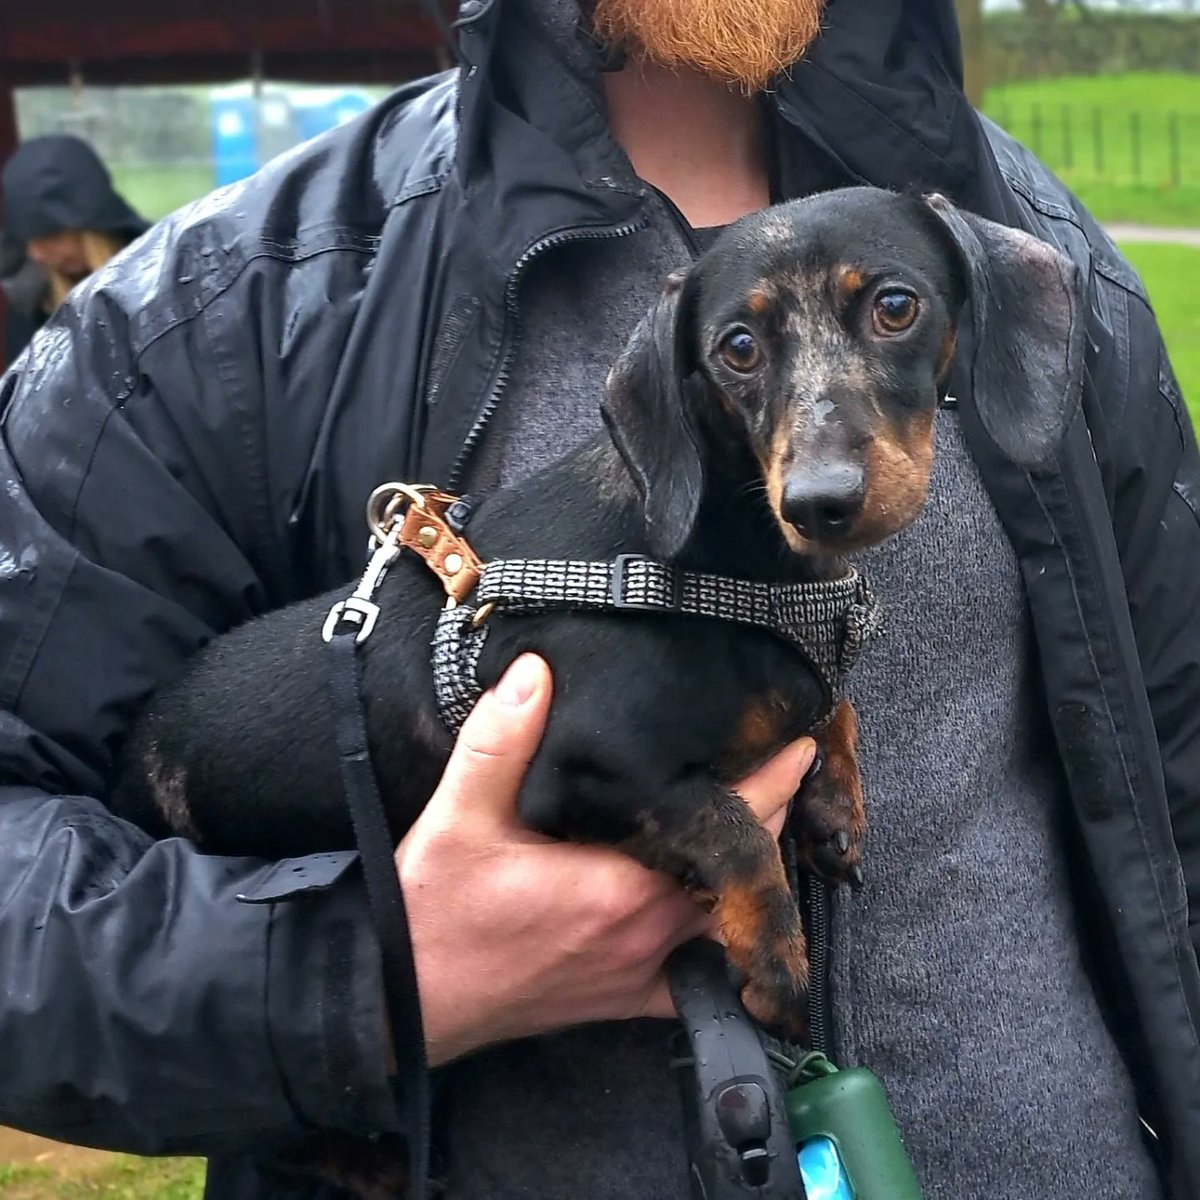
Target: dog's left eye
894,311
739,350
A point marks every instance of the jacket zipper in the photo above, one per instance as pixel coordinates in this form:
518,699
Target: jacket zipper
818,964
512,326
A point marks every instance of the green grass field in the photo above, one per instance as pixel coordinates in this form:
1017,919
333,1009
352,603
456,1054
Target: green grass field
157,190
1143,168
119,1178
1172,277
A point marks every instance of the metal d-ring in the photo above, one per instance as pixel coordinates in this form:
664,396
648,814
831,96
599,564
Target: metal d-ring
385,502
483,612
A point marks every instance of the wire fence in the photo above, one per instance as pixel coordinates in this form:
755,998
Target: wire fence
1108,145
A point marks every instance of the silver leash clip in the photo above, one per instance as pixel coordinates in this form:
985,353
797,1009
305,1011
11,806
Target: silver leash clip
359,607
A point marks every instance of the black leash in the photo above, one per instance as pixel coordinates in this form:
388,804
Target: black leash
386,899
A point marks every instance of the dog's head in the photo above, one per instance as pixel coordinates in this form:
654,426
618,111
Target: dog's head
821,334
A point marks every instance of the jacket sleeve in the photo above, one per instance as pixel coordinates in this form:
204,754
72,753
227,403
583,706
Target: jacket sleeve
1156,515
154,1000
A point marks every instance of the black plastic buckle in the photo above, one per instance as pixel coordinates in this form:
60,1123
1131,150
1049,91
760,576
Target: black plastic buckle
617,591
459,514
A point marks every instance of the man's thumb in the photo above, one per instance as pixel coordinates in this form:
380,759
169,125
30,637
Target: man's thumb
498,739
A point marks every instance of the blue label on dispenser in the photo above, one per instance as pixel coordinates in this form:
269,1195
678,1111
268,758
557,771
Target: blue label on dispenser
822,1171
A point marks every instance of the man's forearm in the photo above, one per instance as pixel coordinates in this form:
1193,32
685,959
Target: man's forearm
158,1000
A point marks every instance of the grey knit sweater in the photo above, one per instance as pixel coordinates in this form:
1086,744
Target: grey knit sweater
957,974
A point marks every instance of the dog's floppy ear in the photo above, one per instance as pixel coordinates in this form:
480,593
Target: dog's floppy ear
1027,308
648,408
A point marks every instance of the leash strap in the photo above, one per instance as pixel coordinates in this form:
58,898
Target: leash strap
828,622
384,895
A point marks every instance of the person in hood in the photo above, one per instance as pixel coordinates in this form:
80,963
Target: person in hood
61,220
435,292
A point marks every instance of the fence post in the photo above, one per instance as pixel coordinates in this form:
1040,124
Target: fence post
1173,148
1135,131
1098,140
1068,141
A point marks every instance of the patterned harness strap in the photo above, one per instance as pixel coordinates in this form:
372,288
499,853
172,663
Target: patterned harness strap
828,622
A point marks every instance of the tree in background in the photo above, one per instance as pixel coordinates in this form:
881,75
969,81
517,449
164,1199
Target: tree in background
970,24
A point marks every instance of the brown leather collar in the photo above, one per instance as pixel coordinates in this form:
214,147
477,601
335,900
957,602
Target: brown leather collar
426,532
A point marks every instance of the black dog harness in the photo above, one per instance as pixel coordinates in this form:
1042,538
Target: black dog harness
828,622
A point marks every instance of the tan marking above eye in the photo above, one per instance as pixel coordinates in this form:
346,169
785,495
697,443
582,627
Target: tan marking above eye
758,301
848,281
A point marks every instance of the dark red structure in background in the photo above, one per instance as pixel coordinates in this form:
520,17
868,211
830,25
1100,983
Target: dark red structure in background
209,41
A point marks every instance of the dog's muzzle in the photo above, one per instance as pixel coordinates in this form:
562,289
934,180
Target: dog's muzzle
828,623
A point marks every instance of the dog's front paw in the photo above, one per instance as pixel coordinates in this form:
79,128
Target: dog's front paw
829,819
777,996
367,1169
829,825
764,940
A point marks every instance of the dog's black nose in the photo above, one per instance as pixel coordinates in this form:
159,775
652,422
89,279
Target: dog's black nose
823,501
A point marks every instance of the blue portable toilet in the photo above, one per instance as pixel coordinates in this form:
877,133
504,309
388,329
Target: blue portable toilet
319,109
248,130
235,134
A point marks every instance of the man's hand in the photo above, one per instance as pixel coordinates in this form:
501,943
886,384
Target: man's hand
515,934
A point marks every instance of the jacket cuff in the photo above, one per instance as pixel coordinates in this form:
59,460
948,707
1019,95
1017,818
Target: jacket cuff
326,1014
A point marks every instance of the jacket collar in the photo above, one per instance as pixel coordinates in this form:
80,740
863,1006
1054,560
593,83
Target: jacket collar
881,93
535,154
880,97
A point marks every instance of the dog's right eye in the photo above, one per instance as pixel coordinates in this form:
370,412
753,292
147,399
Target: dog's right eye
895,311
739,350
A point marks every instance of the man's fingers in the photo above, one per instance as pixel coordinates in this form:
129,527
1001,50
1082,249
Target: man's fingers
770,789
496,743
659,1002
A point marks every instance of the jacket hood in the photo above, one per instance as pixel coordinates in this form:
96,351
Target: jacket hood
879,96
881,93
57,182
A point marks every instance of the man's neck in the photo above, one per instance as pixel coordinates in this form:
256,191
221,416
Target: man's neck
692,137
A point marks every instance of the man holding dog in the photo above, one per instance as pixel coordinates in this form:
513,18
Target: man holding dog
190,442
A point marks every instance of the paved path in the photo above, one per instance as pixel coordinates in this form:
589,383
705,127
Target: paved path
1153,233
25,1149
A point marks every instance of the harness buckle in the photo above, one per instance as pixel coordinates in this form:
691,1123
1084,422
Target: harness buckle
617,596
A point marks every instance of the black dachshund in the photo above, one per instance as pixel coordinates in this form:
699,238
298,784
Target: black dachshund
771,414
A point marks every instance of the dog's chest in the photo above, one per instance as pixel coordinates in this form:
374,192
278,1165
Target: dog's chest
777,708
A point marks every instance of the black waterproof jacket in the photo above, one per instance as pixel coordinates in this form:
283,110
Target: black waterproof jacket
191,442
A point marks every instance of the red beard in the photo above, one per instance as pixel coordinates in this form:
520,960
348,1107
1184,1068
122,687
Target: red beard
739,42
